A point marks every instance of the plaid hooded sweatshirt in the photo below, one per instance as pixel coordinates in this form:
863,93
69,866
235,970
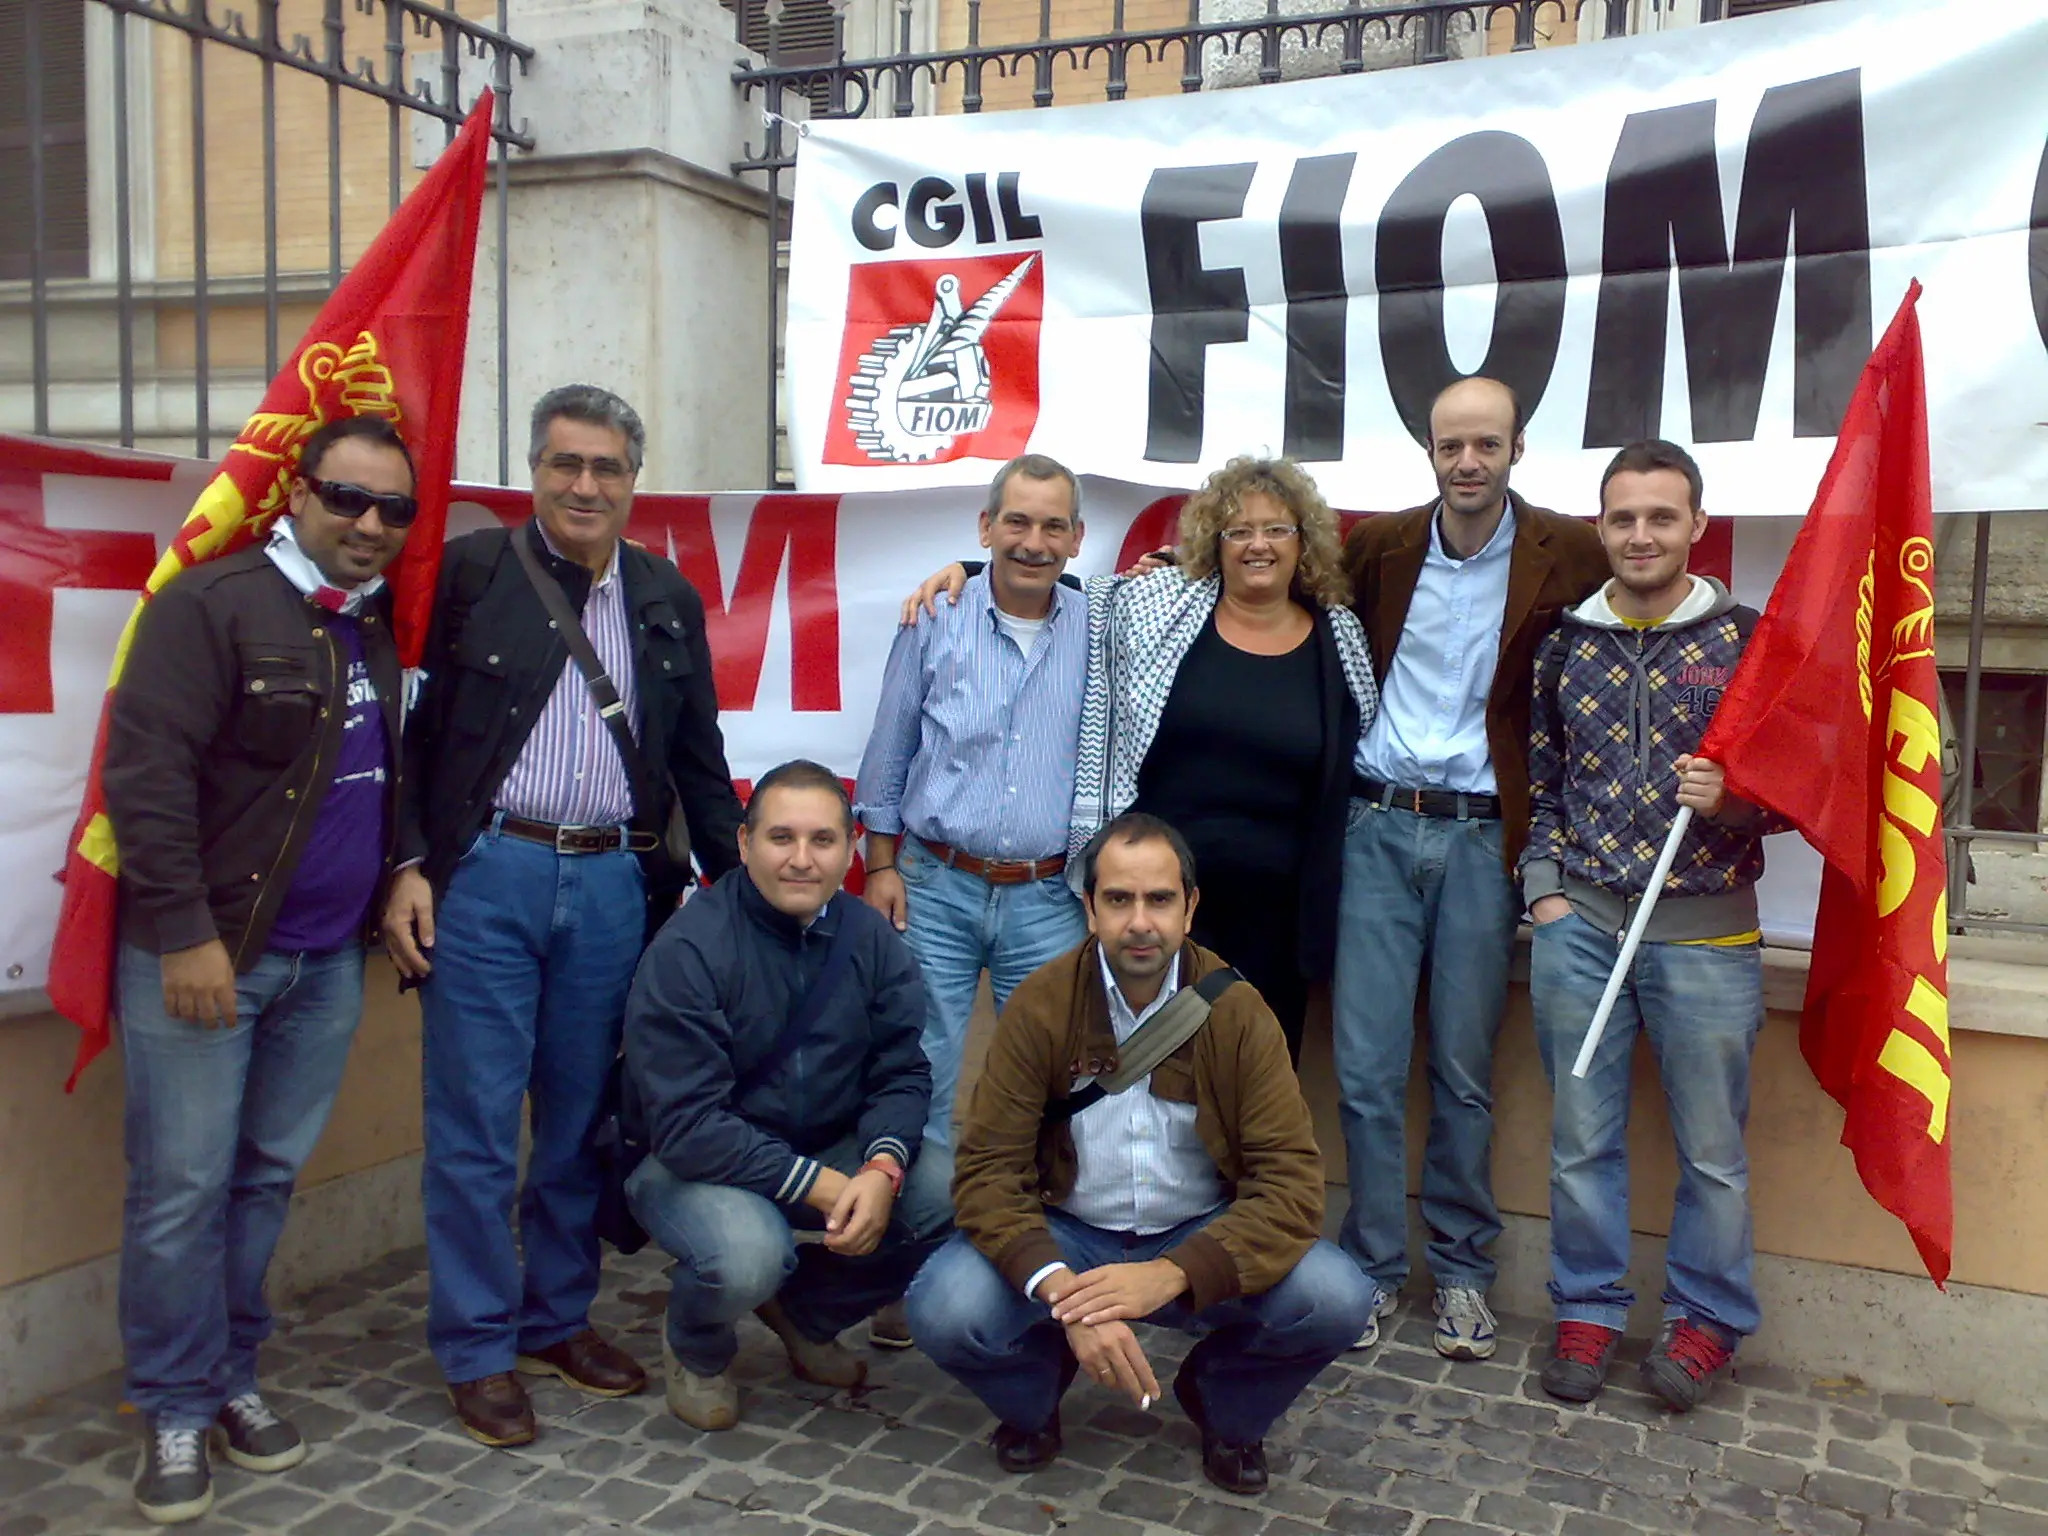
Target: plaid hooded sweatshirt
1614,709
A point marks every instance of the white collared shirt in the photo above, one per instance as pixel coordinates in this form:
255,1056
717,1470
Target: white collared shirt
1430,732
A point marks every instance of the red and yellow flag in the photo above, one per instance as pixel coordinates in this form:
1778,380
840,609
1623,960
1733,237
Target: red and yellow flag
1832,720
389,341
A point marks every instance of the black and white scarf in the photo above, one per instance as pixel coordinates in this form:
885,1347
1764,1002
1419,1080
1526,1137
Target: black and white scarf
1140,629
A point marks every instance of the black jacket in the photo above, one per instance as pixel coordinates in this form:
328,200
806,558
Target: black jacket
491,661
220,747
708,1006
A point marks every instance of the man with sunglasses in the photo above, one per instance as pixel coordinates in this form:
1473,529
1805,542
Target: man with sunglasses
535,858
249,777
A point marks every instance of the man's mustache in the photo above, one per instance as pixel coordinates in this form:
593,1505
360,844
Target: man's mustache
1023,559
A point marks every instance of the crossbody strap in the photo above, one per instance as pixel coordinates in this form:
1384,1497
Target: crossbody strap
603,691
804,1017
1151,1043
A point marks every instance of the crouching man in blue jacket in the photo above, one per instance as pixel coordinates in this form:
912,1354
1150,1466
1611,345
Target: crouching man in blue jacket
773,1063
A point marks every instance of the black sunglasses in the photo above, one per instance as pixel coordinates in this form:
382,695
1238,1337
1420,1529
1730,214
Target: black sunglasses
394,510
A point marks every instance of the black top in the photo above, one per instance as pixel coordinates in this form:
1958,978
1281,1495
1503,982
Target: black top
1235,764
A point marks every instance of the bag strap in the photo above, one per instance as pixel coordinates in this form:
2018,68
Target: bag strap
603,691
1151,1043
803,1017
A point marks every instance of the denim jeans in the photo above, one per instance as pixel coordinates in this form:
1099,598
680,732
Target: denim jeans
533,954
1255,1354
735,1249
959,924
1420,889
1701,1005
218,1123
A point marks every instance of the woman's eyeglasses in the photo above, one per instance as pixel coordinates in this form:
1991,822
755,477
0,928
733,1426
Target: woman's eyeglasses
394,510
1276,533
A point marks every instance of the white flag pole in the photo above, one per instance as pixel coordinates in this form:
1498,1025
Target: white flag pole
1635,936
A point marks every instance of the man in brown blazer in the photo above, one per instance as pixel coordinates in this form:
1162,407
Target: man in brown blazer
1455,596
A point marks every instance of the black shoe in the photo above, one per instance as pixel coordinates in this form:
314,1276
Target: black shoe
1577,1367
254,1438
173,1484
1026,1450
1233,1468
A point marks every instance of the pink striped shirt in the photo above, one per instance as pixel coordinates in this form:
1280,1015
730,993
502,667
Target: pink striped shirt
570,772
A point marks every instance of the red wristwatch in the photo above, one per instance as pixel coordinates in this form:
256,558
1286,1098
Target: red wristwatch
886,1166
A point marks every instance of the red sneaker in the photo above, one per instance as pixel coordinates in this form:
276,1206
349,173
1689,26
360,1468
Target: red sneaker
1685,1364
1577,1368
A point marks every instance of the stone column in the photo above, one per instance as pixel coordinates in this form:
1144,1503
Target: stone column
636,260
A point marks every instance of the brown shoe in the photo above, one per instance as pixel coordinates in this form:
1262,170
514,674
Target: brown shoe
830,1364
494,1409
588,1364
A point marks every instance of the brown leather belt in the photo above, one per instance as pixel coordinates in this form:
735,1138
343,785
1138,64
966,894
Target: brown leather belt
1452,804
576,839
995,871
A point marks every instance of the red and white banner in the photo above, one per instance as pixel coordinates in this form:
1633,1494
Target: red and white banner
800,596
1691,234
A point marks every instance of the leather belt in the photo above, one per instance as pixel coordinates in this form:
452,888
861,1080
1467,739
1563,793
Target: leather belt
607,839
1454,804
995,871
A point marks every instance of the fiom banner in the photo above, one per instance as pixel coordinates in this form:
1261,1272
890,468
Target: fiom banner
1689,234
800,601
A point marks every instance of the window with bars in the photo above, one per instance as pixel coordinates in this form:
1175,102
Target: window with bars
60,37
805,33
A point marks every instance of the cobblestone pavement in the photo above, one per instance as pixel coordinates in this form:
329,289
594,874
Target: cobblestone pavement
1396,1443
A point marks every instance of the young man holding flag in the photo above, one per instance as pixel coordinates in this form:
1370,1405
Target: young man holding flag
249,775
1624,689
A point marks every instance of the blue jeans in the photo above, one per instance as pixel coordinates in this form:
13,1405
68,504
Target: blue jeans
735,1249
1420,889
533,954
218,1123
959,925
1255,1353
1701,1005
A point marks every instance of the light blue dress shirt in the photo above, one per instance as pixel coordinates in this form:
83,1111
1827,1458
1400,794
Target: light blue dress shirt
1430,732
974,741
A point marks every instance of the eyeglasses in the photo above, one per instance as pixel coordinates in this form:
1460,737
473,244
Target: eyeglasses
1275,533
394,510
570,467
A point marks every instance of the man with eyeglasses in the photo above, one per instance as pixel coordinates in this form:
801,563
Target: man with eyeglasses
532,858
249,775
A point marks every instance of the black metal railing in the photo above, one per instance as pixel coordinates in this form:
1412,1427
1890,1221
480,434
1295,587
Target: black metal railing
365,51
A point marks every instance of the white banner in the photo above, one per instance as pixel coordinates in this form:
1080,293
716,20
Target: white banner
800,597
1144,289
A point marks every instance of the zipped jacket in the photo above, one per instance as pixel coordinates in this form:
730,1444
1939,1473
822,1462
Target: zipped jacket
1614,709
225,728
704,1021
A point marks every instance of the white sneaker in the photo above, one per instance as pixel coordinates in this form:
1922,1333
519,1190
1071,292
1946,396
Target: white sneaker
1383,1306
1464,1326
702,1402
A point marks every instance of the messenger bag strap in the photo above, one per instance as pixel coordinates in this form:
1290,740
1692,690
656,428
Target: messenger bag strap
802,1018
1151,1043
603,691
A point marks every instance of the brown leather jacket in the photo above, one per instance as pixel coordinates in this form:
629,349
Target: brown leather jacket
220,747
1556,561
1249,1113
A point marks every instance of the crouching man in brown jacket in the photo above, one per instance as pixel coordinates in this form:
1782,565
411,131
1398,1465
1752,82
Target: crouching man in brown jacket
1192,1199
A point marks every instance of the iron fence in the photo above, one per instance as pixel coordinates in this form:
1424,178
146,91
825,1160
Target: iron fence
362,55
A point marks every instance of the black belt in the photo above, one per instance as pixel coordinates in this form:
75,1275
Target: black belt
1453,803
607,839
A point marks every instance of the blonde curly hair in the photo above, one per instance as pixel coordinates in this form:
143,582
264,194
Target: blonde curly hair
1319,570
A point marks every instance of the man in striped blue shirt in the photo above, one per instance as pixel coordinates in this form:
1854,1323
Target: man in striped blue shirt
968,781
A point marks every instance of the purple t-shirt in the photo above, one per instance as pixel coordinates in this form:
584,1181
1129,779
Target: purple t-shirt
343,856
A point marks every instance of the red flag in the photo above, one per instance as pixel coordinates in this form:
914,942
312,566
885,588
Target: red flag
1832,721
389,342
